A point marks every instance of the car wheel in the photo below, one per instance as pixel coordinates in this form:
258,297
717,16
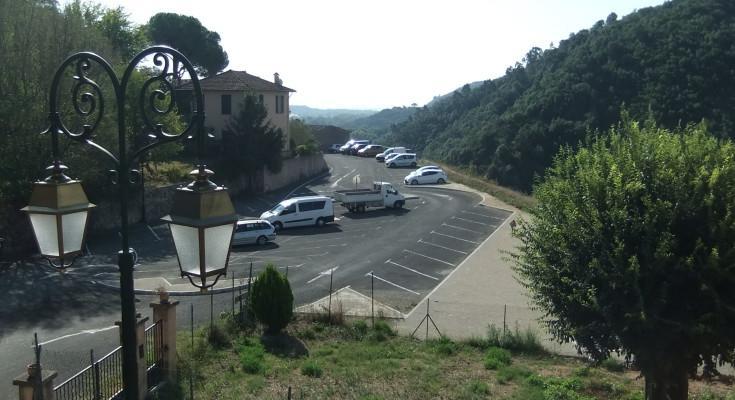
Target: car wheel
391,165
398,204
413,164
361,208
278,225
262,240
440,181
319,222
414,182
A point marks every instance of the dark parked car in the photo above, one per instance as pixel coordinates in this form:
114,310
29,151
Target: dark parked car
371,150
356,147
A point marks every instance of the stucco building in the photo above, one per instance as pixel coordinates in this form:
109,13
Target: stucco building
224,93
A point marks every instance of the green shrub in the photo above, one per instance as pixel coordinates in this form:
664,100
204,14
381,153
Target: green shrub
476,389
217,336
361,328
272,299
564,389
382,331
311,368
252,357
612,365
523,341
307,334
443,346
495,358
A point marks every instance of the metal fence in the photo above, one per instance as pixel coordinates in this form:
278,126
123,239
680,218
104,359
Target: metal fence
154,353
102,379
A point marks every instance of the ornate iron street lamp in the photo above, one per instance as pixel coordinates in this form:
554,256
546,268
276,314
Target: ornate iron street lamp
59,208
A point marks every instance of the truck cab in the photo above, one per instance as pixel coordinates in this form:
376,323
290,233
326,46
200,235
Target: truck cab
391,197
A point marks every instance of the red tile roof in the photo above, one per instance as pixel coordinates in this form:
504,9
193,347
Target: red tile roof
237,81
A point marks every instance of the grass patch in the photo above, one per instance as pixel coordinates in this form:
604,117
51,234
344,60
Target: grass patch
496,358
311,368
520,341
348,362
469,178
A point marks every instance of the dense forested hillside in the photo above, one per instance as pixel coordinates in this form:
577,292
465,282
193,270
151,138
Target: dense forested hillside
383,119
675,62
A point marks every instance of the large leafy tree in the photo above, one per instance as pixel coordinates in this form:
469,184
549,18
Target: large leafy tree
631,249
188,35
249,143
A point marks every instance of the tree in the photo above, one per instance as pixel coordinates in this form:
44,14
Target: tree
272,299
188,35
303,141
631,249
249,144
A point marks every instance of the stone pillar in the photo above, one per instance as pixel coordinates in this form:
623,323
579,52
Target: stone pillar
140,352
27,382
165,312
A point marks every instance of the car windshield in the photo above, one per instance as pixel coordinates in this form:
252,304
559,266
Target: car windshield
277,209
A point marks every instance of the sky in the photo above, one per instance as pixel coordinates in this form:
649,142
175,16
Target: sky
382,53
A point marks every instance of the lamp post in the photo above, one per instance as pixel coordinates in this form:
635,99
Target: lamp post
58,209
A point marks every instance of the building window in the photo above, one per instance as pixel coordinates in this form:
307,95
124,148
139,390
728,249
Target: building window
279,105
226,104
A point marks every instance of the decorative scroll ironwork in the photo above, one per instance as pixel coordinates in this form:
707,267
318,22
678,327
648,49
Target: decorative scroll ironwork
157,97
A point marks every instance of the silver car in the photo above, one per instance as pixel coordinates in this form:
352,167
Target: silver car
253,231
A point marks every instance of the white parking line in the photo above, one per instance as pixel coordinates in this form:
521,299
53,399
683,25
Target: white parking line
292,266
158,238
453,237
336,183
391,283
323,273
250,208
430,258
482,215
460,228
442,247
469,220
389,261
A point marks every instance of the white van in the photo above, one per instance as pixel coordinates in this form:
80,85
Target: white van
391,150
300,211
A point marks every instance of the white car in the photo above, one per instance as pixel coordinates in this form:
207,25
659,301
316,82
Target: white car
401,160
300,211
428,175
253,231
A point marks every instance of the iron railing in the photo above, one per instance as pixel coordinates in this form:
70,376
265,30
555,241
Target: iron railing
101,380
154,353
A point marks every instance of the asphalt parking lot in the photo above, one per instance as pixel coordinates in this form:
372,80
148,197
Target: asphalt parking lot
406,252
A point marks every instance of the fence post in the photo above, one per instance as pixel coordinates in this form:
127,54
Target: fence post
36,384
164,311
142,365
372,299
331,274
96,372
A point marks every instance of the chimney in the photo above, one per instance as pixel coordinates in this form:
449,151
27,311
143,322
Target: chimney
277,79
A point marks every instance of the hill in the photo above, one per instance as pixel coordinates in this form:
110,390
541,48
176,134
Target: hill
383,119
335,116
671,62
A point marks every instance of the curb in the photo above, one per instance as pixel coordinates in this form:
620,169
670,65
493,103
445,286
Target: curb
174,292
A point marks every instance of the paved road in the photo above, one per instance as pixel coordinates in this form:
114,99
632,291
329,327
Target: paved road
409,252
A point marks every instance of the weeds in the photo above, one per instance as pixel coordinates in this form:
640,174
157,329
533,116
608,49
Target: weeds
311,368
516,340
252,356
496,358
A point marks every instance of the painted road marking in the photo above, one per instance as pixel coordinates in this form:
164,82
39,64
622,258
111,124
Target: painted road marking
389,261
460,228
469,220
85,332
323,273
482,215
292,266
336,183
441,247
250,208
453,237
391,283
430,258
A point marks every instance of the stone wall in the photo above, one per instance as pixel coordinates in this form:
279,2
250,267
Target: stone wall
294,170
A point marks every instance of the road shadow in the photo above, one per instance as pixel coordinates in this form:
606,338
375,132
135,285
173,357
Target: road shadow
252,248
34,295
376,213
308,231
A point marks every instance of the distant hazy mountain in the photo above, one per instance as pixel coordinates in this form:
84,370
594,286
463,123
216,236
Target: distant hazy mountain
335,116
